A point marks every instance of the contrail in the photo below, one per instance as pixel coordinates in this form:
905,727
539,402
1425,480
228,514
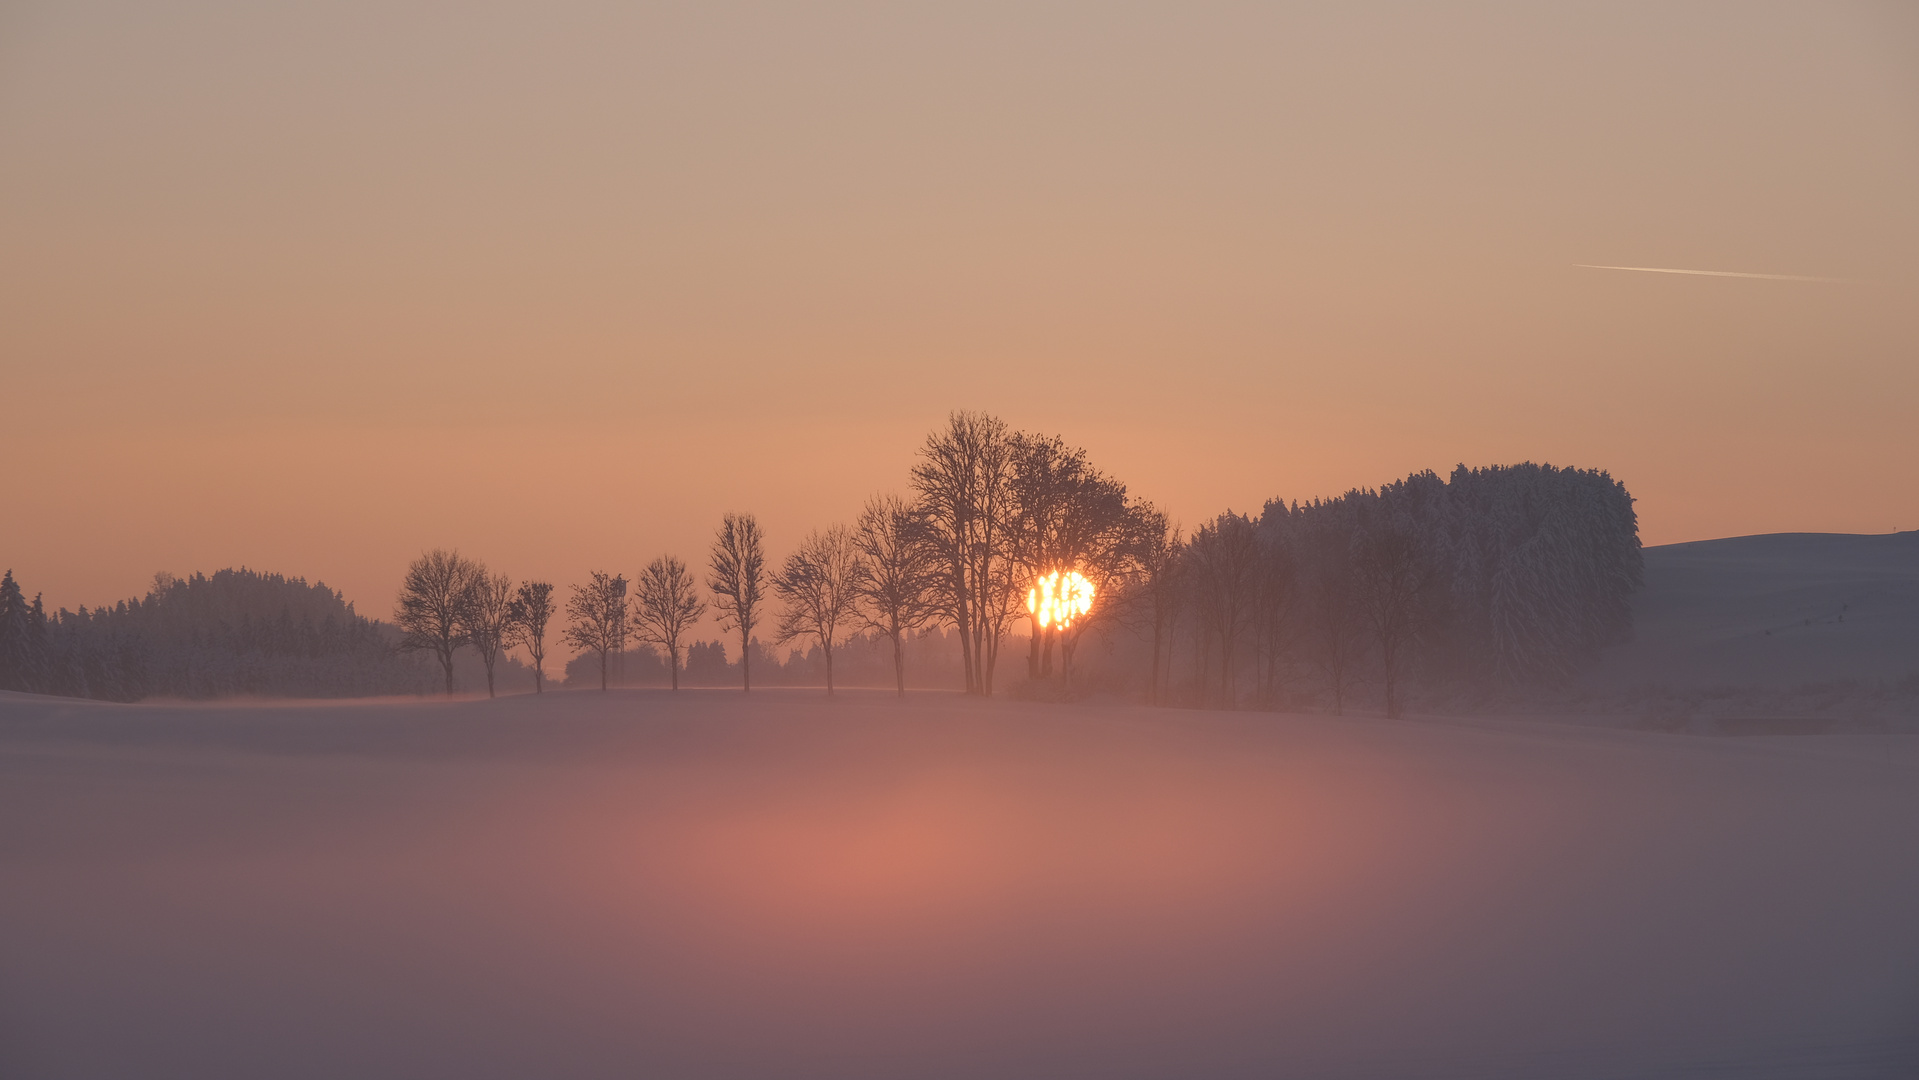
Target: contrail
1712,273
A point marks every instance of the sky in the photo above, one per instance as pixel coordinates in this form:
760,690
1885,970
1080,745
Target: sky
314,287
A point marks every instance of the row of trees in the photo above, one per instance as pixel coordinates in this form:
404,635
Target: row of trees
991,509
448,602
838,582
1501,577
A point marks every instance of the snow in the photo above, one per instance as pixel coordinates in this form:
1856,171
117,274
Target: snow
1774,612
647,884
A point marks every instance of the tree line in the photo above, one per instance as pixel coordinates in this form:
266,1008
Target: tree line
990,509
237,631
1488,580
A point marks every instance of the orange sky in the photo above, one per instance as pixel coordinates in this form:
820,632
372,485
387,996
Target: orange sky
312,287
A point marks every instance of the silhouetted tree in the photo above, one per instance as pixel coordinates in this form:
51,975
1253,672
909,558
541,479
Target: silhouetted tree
1540,564
1047,478
897,576
963,481
1526,572
666,605
1067,516
23,639
1334,636
817,587
706,664
1107,540
1276,601
531,610
432,602
1225,568
1156,597
596,618
1391,578
736,578
486,617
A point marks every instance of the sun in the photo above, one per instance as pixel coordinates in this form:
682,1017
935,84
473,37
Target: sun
1056,599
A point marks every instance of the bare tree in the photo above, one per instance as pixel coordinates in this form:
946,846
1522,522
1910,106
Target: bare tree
431,600
1047,476
817,587
1104,539
965,501
737,580
526,626
897,576
1155,597
1275,604
1225,562
666,604
1391,578
486,614
596,618
1334,637
1058,504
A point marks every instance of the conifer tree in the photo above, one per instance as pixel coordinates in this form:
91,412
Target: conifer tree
15,638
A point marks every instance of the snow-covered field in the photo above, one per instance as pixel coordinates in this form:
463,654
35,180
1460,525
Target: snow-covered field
643,884
1773,612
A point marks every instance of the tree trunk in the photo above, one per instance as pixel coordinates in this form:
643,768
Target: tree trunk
964,626
602,671
746,664
899,662
673,665
1152,680
1389,653
1228,692
827,648
1199,664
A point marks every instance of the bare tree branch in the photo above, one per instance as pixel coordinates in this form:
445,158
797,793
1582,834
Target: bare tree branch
596,618
736,578
666,604
817,587
532,609
430,606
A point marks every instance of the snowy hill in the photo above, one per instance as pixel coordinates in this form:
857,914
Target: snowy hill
1775,612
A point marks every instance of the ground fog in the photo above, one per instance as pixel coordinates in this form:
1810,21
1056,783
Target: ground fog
643,883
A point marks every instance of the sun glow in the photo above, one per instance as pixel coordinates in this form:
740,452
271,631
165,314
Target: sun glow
1058,598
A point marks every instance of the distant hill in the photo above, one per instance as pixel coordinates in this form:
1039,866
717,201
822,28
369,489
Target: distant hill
1782,611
